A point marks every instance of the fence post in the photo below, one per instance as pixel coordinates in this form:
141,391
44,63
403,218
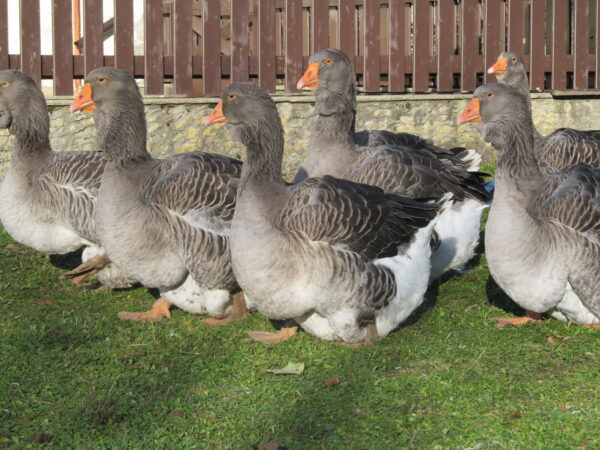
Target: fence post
536,48
560,26
92,36
62,48
153,47
580,69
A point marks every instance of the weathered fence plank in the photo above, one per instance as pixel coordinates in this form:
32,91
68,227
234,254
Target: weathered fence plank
240,70
293,44
581,49
153,47
31,61
537,46
468,50
422,31
516,22
93,35
62,48
397,70
445,41
560,35
124,35
493,44
211,49
346,26
319,25
371,46
266,45
182,46
4,63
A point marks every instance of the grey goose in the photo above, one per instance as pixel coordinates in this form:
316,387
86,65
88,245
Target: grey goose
346,261
542,237
164,221
411,170
562,148
48,198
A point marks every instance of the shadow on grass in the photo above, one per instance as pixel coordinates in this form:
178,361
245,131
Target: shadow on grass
68,261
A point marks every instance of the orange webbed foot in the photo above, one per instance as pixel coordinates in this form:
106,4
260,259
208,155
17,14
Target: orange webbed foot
529,316
160,309
238,311
273,338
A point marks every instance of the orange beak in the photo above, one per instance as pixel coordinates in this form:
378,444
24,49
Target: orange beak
216,116
310,79
499,67
470,114
83,101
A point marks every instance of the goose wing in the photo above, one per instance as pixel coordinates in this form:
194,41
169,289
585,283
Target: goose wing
414,174
571,199
566,147
354,217
70,183
198,186
193,198
458,156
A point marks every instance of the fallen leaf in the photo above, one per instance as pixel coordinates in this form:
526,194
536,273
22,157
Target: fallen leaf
332,382
515,415
550,340
40,438
269,446
177,413
290,369
565,409
43,302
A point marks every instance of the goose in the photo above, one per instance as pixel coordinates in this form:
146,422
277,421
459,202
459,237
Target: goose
340,80
542,237
47,198
344,260
414,172
562,148
164,221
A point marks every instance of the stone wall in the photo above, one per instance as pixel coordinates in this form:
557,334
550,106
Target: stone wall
176,125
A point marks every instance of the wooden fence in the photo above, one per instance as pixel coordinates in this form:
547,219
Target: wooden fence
396,45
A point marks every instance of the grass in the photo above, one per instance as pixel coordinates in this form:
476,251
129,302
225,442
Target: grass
73,376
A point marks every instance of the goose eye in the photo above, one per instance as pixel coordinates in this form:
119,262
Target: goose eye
514,59
328,61
101,80
231,97
489,95
4,83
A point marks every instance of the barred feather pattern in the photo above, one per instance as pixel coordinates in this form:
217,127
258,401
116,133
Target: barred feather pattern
193,197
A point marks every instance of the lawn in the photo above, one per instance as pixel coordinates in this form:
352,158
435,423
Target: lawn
73,375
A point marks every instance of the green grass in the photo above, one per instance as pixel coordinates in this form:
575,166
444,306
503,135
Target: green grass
73,376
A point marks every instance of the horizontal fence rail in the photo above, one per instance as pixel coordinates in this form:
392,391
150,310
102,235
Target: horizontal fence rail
396,45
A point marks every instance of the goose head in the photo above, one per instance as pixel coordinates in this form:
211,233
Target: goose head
496,110
509,68
107,86
247,109
331,74
22,105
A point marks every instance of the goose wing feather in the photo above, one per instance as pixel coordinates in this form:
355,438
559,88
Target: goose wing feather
193,197
566,147
374,138
355,217
571,198
70,183
415,174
